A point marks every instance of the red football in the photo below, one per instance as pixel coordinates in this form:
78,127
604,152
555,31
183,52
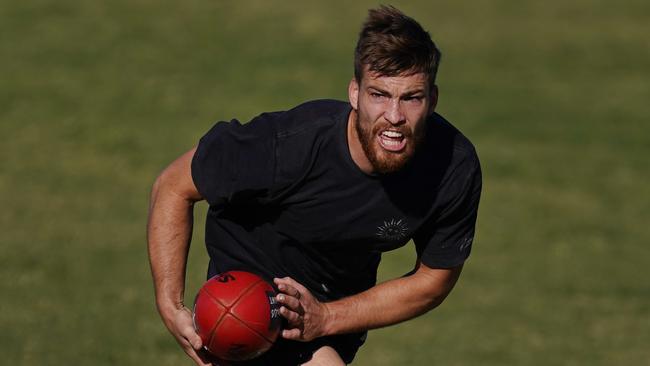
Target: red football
236,315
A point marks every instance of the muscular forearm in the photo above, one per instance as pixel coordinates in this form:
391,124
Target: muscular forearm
169,232
390,302
385,304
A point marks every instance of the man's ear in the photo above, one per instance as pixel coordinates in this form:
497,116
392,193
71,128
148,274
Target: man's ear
353,93
433,99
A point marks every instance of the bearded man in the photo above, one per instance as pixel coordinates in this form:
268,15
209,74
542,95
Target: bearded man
310,197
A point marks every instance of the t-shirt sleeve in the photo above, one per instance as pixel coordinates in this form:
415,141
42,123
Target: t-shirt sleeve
446,241
235,161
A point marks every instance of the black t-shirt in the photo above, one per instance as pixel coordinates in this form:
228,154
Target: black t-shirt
286,199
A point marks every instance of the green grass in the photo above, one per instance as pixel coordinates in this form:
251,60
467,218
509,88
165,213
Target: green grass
96,98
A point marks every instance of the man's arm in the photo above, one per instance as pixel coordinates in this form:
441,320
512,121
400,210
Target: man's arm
169,231
385,304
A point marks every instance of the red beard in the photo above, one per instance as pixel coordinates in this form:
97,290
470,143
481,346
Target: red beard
382,160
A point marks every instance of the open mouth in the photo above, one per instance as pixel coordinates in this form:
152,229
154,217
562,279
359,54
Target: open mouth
391,140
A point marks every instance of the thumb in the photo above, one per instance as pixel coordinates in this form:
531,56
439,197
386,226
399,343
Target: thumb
188,331
194,339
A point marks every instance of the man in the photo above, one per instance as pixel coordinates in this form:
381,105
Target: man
311,197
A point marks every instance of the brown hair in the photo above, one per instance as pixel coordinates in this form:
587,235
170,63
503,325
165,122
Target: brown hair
391,43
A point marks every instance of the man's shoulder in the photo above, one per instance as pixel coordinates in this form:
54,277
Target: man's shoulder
305,135
447,137
321,107
310,116
447,167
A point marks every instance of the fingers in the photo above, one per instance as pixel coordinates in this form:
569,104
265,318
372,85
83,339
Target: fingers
290,299
300,309
185,327
197,356
289,286
193,340
198,359
188,339
291,302
293,318
293,334
211,359
291,310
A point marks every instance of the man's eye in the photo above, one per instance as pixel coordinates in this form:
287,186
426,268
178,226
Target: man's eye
413,99
376,95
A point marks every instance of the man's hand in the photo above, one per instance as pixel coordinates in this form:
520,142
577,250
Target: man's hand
307,317
179,323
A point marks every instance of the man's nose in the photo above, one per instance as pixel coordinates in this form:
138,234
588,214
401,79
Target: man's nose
393,113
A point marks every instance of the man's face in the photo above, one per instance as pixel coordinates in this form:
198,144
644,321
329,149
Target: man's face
391,113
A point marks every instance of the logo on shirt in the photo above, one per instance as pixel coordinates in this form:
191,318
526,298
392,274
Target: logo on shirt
466,243
393,230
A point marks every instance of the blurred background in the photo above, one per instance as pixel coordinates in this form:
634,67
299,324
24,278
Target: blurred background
96,97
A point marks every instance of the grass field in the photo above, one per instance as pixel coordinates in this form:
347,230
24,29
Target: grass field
97,97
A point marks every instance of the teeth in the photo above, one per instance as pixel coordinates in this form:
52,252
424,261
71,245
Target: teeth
392,134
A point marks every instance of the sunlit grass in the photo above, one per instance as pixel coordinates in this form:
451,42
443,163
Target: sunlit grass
95,99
